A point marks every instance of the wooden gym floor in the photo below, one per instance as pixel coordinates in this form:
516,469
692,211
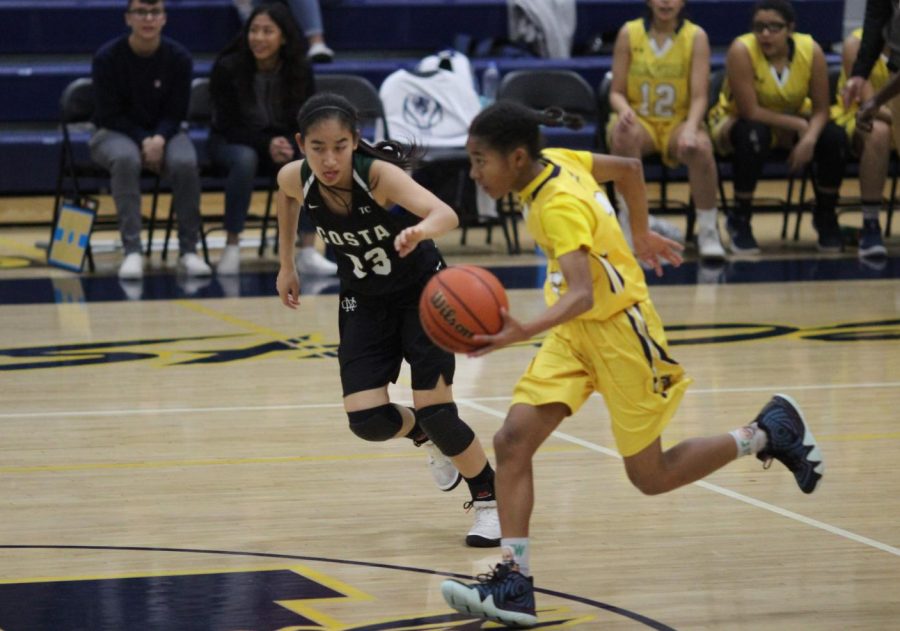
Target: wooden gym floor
180,460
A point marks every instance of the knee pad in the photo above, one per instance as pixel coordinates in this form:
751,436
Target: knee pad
376,424
750,137
445,429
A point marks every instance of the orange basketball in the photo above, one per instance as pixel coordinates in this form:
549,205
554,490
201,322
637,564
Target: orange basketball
459,302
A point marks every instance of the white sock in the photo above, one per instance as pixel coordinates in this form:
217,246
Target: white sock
516,548
707,218
750,439
871,210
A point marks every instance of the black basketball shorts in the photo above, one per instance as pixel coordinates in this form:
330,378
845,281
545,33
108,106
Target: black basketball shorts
378,333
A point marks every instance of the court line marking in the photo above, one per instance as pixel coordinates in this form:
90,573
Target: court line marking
715,488
303,406
218,462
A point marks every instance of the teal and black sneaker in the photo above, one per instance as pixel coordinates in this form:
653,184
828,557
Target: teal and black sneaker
503,595
790,442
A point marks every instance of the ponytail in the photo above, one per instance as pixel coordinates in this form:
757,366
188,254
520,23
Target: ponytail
506,125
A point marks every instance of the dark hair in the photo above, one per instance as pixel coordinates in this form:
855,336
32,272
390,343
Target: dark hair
131,2
784,8
296,74
327,105
506,125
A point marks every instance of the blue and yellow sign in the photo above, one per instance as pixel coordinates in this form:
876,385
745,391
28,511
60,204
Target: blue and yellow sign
71,237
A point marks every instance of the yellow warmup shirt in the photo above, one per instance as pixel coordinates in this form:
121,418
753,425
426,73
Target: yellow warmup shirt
786,95
846,117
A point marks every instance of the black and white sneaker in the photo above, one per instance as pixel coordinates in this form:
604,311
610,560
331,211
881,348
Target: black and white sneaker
790,442
503,595
485,532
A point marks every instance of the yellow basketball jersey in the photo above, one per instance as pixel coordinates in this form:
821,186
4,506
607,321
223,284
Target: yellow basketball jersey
566,210
787,95
658,86
878,78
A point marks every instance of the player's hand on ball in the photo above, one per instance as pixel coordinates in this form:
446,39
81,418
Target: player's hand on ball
288,285
511,333
408,239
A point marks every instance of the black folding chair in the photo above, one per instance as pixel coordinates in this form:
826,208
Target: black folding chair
364,97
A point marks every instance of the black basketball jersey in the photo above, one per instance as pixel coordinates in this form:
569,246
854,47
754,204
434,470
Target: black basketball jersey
368,262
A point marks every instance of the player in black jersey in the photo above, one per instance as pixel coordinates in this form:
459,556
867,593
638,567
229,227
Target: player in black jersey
384,260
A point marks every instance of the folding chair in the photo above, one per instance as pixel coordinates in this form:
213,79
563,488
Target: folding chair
364,97
543,88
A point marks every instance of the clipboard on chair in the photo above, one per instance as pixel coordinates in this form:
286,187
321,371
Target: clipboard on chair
71,240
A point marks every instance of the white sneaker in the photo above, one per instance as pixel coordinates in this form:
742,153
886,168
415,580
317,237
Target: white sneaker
193,265
132,266
445,474
230,263
309,261
665,228
133,288
320,53
709,244
485,532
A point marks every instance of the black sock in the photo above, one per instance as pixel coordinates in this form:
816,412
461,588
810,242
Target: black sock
482,485
825,203
744,208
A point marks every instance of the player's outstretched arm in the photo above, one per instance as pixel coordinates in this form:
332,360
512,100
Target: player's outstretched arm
393,185
628,176
287,205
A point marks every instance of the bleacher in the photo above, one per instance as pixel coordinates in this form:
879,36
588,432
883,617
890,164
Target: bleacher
45,44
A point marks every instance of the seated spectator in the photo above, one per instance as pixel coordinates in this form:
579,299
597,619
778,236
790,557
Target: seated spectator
659,99
257,86
775,95
873,148
308,15
142,83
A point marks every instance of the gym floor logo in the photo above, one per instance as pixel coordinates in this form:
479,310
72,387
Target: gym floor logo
186,351
286,598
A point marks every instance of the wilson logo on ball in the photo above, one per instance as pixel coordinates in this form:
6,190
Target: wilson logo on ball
449,314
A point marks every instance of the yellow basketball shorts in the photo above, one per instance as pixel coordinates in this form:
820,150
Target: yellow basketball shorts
625,358
660,132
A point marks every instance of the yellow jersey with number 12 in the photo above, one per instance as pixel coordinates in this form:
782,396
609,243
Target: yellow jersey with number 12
658,86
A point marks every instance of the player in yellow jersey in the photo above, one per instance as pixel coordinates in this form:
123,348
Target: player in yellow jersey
603,335
873,147
776,95
660,81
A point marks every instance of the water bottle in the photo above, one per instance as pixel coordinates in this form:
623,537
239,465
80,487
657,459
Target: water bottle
490,81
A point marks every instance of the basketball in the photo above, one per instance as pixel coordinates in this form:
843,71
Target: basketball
459,302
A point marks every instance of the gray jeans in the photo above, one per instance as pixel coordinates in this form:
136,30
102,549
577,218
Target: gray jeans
121,156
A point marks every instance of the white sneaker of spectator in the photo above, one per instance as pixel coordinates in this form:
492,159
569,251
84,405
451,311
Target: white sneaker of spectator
309,261
132,266
193,265
320,53
230,263
666,228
